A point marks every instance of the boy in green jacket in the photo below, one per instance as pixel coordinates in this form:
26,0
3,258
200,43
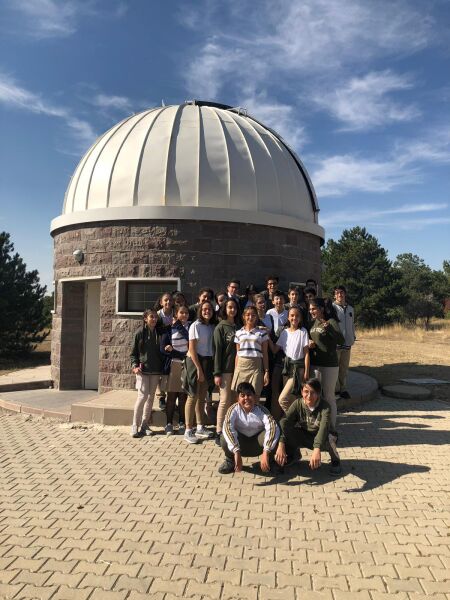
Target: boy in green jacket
306,425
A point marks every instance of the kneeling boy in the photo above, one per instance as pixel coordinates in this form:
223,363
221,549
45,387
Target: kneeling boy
248,430
306,425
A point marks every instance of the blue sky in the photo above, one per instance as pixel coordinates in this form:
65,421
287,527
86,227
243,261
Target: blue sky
360,89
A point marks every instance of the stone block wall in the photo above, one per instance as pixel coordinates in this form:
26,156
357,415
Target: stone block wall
68,336
200,253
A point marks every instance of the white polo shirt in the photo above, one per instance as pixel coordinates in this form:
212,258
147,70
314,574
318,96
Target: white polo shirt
250,342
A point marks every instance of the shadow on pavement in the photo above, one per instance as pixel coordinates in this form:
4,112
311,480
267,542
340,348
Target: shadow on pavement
374,431
372,473
393,372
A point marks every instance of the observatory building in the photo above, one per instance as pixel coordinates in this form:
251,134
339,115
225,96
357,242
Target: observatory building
175,197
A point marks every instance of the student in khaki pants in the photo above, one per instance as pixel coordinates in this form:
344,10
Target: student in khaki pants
224,360
346,316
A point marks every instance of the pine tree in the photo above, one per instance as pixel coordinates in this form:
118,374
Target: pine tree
424,290
21,303
358,262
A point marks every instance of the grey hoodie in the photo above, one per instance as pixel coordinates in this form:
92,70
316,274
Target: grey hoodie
346,316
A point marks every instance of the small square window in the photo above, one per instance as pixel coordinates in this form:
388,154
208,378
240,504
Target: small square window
133,296
298,284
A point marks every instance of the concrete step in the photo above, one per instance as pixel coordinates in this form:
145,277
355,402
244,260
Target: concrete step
115,408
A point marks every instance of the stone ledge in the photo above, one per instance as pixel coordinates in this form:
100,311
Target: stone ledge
362,388
12,407
406,392
26,385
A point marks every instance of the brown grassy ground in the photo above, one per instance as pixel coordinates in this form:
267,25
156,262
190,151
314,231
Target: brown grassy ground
396,352
41,356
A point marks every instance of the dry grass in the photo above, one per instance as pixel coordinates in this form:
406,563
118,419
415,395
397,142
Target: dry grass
41,356
397,352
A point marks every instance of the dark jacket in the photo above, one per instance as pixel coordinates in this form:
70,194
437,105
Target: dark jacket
193,309
326,339
224,348
315,422
145,351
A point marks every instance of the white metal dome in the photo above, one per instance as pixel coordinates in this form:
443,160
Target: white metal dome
198,160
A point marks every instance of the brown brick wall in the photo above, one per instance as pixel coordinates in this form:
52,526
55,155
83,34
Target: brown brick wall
199,253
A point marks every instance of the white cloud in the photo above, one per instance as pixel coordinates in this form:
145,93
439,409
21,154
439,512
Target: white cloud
15,96
47,18
285,48
207,73
341,218
43,19
436,148
116,102
277,115
418,224
288,38
321,35
340,174
82,131
363,103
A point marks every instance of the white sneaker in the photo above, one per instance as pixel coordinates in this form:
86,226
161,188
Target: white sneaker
135,433
189,437
204,434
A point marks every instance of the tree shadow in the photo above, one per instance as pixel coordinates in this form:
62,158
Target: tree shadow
395,371
356,430
372,473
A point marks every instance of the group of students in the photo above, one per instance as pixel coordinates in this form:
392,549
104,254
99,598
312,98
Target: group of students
294,350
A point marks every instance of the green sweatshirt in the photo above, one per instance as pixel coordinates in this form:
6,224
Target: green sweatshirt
224,348
326,340
315,422
145,351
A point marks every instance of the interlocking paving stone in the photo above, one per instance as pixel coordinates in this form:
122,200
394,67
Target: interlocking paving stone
90,513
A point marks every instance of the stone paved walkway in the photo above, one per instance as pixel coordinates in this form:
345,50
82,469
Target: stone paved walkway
87,513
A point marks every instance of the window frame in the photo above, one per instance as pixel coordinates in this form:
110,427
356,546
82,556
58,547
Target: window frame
122,291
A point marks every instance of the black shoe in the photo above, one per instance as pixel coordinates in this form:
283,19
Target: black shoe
345,395
217,439
162,404
293,458
146,430
335,468
226,467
